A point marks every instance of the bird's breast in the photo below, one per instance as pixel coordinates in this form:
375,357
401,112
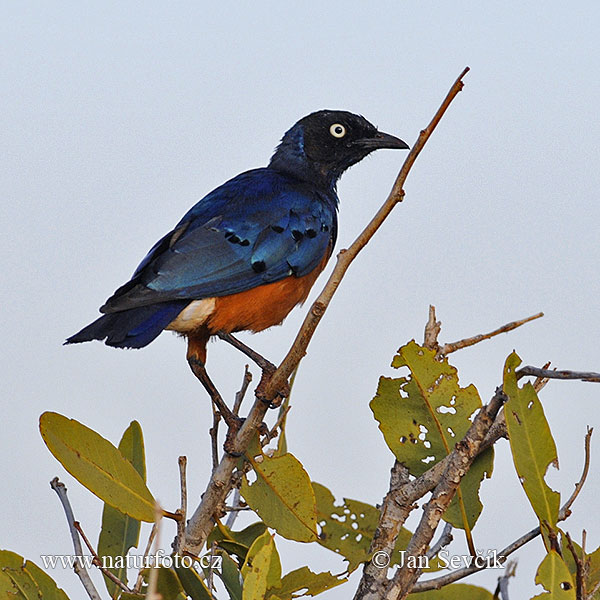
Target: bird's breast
255,309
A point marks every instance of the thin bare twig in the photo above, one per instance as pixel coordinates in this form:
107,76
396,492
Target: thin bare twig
239,396
97,561
432,330
509,571
220,484
442,542
551,374
580,592
182,461
152,592
454,346
345,257
563,513
78,566
584,474
540,382
140,578
214,436
234,509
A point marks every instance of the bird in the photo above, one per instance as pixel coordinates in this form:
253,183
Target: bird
249,251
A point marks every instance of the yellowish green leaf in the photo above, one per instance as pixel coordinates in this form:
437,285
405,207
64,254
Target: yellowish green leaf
231,577
531,442
349,528
167,583
481,469
47,586
282,496
422,416
8,589
12,565
236,542
304,579
274,567
553,575
192,583
121,532
257,571
98,465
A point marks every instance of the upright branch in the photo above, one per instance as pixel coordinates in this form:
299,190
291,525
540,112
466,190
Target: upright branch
220,483
78,566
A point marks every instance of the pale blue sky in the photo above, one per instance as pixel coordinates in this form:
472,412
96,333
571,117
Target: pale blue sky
118,116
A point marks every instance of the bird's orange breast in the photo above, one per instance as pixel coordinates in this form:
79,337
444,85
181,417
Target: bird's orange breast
263,306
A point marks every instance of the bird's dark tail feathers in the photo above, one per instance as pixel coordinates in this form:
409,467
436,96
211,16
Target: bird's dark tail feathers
132,328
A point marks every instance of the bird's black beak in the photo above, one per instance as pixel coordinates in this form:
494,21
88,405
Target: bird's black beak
382,140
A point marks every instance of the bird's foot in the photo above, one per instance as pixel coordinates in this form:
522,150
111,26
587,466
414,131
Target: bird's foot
282,393
229,445
232,431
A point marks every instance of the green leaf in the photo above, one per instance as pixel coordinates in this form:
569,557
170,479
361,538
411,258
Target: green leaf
257,571
98,465
283,496
231,577
347,529
532,445
553,574
424,415
274,567
481,469
167,583
8,589
47,586
236,542
593,559
121,532
304,579
11,565
192,583
456,591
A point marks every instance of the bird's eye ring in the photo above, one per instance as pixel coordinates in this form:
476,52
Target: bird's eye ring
337,130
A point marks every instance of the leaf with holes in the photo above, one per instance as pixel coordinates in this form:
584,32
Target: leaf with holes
531,442
98,465
553,574
282,496
348,529
422,416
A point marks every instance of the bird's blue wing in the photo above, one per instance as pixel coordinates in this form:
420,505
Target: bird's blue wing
257,228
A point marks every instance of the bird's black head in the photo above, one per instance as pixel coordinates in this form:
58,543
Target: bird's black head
322,145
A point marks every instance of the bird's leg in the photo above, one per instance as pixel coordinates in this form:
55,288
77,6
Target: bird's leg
196,357
199,370
254,356
267,367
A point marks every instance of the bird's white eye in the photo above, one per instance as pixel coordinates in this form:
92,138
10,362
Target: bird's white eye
337,130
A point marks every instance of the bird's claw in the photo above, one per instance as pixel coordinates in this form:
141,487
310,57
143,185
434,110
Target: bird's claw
282,393
234,425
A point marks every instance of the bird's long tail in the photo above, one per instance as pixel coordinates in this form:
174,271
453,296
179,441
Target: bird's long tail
132,328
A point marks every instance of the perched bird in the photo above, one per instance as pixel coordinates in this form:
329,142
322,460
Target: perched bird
249,251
